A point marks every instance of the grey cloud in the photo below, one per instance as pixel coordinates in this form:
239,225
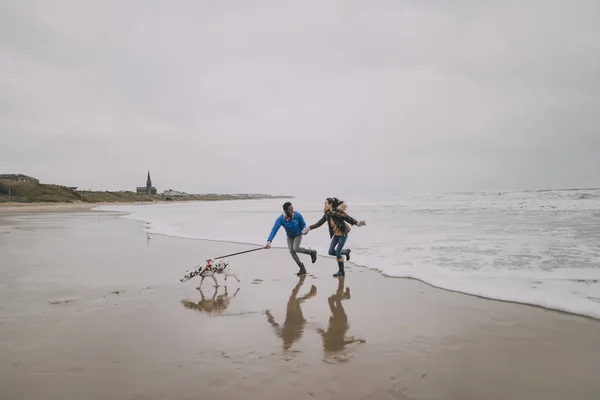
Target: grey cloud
311,97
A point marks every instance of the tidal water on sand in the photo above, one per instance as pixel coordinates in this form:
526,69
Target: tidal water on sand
536,247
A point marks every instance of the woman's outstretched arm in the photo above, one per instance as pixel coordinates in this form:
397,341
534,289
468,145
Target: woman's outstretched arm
315,225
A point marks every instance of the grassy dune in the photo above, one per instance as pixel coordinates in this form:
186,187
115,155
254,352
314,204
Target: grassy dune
30,192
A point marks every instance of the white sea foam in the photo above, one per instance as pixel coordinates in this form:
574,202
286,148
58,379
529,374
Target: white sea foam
539,248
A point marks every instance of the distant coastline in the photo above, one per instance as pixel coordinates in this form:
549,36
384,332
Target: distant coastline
13,192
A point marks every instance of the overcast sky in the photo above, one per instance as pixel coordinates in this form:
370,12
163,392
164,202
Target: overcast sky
304,97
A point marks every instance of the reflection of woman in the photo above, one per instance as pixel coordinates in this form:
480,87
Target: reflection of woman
294,323
216,305
334,339
337,218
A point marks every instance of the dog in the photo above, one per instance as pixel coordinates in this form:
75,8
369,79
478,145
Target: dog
209,268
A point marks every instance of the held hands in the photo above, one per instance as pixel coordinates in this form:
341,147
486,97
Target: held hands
305,230
361,223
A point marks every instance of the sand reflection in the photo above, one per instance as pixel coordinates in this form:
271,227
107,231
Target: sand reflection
334,338
293,326
213,306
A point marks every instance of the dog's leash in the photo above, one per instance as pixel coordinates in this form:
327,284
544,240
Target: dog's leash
235,254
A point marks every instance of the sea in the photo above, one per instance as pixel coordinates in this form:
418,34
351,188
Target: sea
533,247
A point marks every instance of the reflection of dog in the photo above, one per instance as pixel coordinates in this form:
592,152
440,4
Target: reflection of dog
214,306
209,268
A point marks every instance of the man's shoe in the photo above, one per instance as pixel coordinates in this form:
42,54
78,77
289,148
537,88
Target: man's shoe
302,271
313,256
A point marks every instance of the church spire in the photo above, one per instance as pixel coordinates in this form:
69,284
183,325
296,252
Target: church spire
149,181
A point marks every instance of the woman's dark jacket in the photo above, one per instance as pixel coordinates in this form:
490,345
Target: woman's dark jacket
339,219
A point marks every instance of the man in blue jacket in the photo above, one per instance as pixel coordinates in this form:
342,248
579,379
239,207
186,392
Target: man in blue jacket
293,222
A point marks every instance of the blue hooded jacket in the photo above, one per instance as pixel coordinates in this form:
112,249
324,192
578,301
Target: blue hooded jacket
293,226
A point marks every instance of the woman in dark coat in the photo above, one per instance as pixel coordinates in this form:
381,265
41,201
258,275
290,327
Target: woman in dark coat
334,213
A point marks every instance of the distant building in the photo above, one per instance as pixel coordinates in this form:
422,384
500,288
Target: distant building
148,189
171,192
19,178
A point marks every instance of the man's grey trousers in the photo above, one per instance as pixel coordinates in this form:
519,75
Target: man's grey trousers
294,247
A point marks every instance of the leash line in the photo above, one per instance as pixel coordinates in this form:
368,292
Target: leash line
235,254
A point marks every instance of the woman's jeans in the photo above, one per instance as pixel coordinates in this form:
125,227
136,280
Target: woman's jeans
340,241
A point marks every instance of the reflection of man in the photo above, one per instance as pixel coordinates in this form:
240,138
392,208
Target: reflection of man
294,323
216,305
334,339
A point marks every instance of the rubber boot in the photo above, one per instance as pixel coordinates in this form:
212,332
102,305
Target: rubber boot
340,269
346,252
302,270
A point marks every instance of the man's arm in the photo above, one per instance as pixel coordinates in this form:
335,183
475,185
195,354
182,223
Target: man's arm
276,227
302,222
274,324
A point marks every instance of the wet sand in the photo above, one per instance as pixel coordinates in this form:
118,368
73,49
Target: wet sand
30,208
91,307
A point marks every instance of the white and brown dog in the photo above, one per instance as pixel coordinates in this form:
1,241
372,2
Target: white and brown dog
209,268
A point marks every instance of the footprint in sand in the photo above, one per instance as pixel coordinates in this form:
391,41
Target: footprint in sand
594,299
60,301
257,281
115,292
586,281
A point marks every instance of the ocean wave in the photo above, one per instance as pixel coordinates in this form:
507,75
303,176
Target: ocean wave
538,248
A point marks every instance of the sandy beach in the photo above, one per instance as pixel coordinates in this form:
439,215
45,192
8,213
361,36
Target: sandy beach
30,208
91,307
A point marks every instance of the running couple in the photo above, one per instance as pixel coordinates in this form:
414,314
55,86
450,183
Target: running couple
334,213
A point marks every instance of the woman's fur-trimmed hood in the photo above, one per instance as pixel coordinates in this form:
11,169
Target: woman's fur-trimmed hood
338,220
339,210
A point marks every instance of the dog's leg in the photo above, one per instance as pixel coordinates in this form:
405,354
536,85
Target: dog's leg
227,273
215,279
201,280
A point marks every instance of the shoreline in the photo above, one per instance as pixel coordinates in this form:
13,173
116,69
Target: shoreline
519,303
29,208
378,271
33,208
